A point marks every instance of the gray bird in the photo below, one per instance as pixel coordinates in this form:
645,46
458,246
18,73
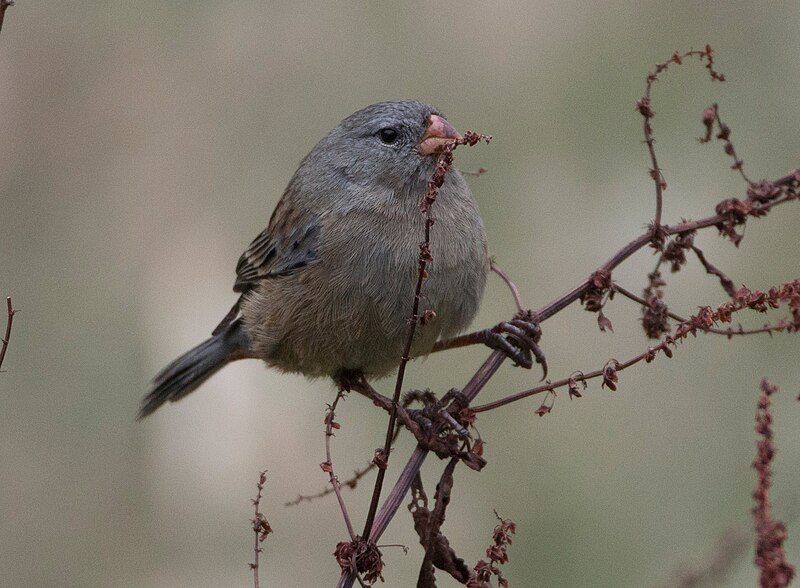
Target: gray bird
327,288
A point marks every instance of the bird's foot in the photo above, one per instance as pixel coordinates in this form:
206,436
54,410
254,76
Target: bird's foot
519,340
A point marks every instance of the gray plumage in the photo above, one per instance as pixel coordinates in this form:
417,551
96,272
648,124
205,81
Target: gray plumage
327,288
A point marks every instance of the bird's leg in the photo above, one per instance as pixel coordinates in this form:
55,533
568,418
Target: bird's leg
352,380
355,381
517,338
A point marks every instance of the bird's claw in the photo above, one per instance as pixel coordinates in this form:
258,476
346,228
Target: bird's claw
519,340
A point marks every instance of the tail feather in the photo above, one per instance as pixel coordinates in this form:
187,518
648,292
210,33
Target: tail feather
194,367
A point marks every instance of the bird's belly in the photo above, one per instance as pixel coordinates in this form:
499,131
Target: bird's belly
356,316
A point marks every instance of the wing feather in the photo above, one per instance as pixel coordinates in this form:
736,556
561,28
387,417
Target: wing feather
274,252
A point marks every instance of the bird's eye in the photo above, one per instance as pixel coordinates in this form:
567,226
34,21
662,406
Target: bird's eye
388,135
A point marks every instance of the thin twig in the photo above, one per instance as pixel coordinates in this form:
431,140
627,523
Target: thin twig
424,258
412,467
435,521
725,281
443,165
350,482
396,496
730,214
4,4
10,312
711,117
261,527
771,533
510,283
644,106
790,180
701,322
330,425
390,506
729,332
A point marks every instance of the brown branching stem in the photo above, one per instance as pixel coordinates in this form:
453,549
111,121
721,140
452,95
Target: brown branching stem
730,214
365,388
790,182
437,179
775,571
711,119
729,332
10,312
414,464
703,321
511,285
4,4
726,283
430,535
261,526
644,106
330,425
424,258
350,482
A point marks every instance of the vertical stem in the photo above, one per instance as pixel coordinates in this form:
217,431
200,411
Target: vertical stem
9,320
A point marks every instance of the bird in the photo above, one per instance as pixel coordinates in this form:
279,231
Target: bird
327,289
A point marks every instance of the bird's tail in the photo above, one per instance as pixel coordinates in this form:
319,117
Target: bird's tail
195,366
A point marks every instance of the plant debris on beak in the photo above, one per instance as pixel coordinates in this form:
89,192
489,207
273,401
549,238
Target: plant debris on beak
438,133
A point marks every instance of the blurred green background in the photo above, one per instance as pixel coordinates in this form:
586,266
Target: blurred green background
143,145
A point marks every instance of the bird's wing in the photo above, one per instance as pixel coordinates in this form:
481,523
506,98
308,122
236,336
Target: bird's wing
271,255
289,243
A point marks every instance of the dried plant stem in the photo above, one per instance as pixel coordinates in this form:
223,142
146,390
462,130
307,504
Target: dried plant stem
10,312
415,461
710,118
771,533
331,424
702,322
790,180
437,517
726,283
395,498
261,527
644,106
730,214
424,257
510,283
443,165
4,4
351,482
729,332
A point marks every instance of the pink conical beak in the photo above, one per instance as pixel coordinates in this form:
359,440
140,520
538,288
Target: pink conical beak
438,133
